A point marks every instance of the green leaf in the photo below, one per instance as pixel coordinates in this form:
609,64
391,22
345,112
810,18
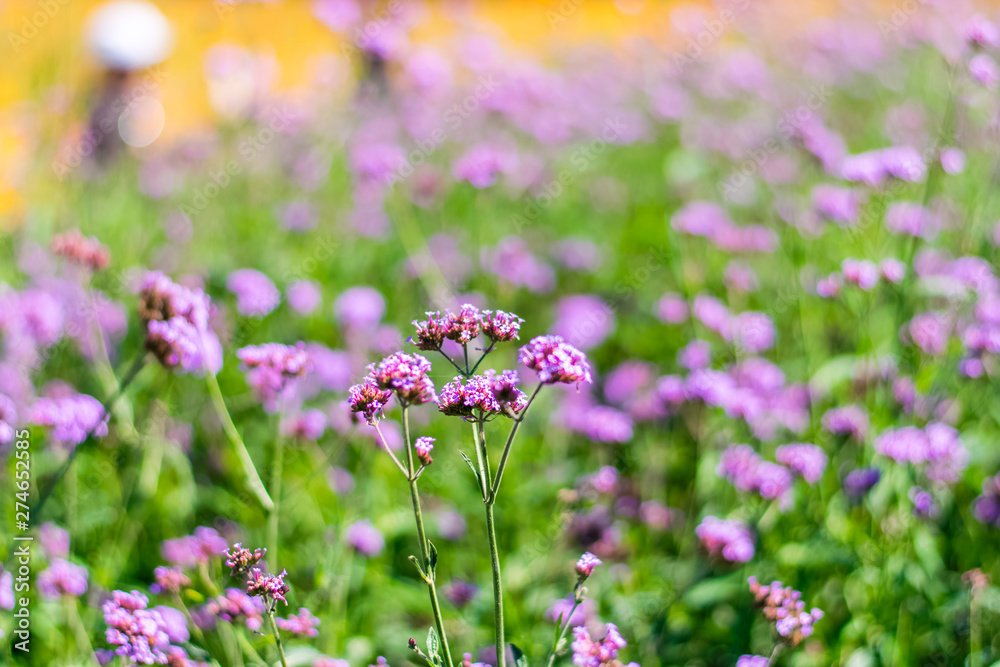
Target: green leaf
416,564
559,623
519,659
432,643
472,467
433,557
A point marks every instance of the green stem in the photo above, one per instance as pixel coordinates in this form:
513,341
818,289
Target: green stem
491,534
137,366
425,561
253,478
774,655
562,633
82,639
497,588
277,638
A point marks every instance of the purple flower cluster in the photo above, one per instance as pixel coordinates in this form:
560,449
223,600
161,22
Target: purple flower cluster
938,446
752,661
747,471
368,400
239,559
191,550
424,446
555,361
753,390
859,482
586,564
256,295
177,325
81,250
849,420
235,606
486,395
406,376
784,606
72,417
271,368
731,539
140,634
707,219
365,538
986,507
303,624
875,167
269,586
603,653
803,459
62,578
169,579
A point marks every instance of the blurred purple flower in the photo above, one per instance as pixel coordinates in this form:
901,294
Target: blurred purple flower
256,295
365,538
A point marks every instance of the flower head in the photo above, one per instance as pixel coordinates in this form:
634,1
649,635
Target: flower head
139,633
501,327
169,579
406,376
784,606
463,325
256,295
729,538
585,566
555,360
367,399
430,333
304,624
81,250
272,367
177,329
239,559
270,586
424,446
62,578
73,418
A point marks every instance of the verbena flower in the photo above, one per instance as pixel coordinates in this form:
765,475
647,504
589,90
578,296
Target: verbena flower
406,376
72,417
365,538
177,329
752,661
139,633
430,333
53,540
169,579
500,326
62,578
586,564
235,606
463,325
603,653
271,368
423,447
303,624
191,550
784,607
859,482
256,295
938,446
730,539
555,361
84,251
803,459
986,507
269,586
368,400
239,559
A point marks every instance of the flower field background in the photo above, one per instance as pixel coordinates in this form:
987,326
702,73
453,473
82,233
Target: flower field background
711,289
